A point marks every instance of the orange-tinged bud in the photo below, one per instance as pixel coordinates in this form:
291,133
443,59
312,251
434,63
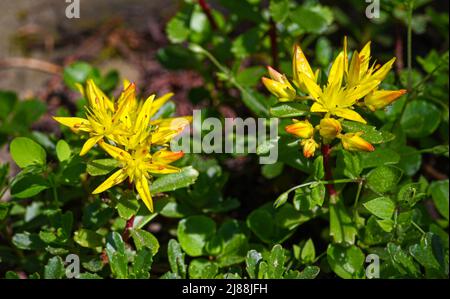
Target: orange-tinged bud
381,98
302,129
353,142
329,128
279,86
309,147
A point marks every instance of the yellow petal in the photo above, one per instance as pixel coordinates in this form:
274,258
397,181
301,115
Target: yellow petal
115,152
337,71
116,178
313,89
89,144
279,89
75,123
382,72
159,102
318,107
349,114
158,168
97,99
143,118
125,101
142,188
301,65
354,70
365,58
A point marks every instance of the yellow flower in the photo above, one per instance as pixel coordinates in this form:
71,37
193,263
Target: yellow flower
360,72
379,99
329,128
302,129
279,86
102,120
334,98
300,66
353,142
137,167
309,147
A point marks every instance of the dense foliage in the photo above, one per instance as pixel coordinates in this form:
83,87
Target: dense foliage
378,189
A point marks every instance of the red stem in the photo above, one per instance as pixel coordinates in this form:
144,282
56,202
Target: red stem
273,43
326,150
207,10
126,231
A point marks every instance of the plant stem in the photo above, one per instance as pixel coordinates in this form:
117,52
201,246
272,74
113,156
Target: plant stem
128,227
355,205
207,10
409,45
273,43
418,227
326,150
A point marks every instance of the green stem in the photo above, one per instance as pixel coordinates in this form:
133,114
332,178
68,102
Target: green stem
418,227
339,181
355,205
409,44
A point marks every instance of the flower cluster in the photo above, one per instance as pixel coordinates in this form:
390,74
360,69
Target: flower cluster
349,84
127,131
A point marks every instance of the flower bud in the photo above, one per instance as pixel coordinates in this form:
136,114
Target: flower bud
301,66
329,128
302,129
279,86
353,142
309,147
381,98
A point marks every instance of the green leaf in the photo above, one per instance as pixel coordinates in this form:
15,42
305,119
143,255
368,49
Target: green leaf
308,253
439,193
79,72
310,272
342,228
246,43
54,268
420,118
4,209
402,261
429,252
233,243
25,152
319,171
127,207
142,264
289,109
324,51
8,100
270,171
409,195
194,232
349,163
379,157
346,262
370,133
307,198
89,239
177,29
63,151
115,249
384,178
250,76
251,263
29,186
171,182
276,262
144,239
202,268
382,207
279,10
176,258
101,166
312,19
12,275
27,241
386,224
